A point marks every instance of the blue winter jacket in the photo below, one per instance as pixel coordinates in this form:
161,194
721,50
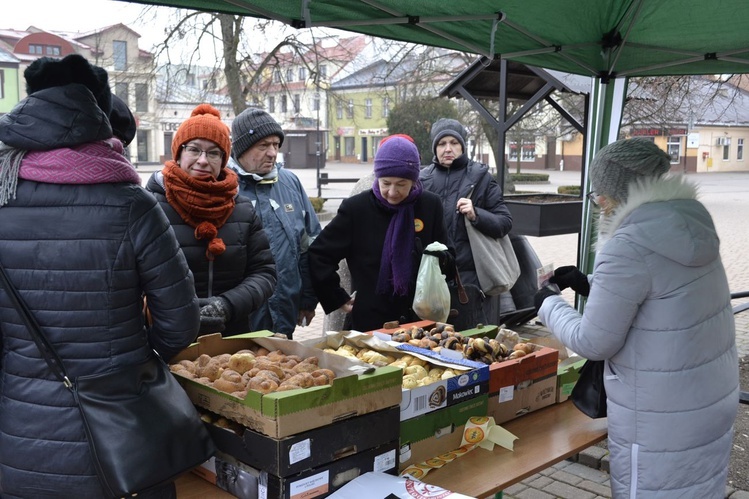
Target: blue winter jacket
291,225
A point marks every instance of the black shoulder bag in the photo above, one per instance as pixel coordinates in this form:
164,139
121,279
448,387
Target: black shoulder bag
589,393
142,429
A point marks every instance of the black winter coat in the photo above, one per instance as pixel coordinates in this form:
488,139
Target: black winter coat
492,216
357,233
82,257
245,274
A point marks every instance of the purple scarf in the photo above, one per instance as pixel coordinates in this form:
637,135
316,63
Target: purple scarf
98,162
395,265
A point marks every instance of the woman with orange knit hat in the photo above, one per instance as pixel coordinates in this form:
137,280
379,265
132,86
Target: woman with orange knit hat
219,232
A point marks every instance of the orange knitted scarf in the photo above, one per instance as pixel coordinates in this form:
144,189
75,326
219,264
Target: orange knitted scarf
203,203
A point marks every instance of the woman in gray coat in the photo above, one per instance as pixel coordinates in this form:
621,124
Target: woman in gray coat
84,244
659,314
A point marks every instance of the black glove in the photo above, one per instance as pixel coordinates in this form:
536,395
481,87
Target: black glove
210,324
570,277
540,296
447,262
215,307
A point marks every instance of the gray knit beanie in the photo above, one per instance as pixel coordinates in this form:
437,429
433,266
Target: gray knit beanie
623,162
251,126
444,127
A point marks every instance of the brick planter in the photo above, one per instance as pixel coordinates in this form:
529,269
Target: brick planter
544,214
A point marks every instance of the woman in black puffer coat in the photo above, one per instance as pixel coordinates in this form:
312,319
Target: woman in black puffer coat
83,243
467,189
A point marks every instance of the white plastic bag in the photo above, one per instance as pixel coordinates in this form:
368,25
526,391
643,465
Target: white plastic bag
432,298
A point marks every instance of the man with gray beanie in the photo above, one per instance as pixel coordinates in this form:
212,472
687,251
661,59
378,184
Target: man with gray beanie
659,315
288,218
467,190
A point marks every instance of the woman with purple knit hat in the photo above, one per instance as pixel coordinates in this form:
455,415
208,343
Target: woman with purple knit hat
381,234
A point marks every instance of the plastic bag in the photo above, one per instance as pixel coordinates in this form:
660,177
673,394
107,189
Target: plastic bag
432,298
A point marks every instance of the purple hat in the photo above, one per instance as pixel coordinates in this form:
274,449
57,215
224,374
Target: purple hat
397,157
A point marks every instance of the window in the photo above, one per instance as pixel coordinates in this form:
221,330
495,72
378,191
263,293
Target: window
2,84
141,97
302,73
142,136
323,71
209,84
673,148
121,90
726,149
297,105
385,107
528,149
119,55
339,110
740,149
284,106
50,50
190,80
289,75
349,146
271,104
168,136
316,102
350,110
368,108
276,75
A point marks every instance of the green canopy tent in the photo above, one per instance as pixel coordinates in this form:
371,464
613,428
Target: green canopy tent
609,40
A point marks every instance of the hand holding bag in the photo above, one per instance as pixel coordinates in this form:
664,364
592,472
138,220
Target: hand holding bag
589,393
142,429
432,296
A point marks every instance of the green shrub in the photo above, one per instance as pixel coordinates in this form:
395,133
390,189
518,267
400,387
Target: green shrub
317,203
521,178
569,189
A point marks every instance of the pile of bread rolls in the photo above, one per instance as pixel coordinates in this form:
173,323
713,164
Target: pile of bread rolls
259,369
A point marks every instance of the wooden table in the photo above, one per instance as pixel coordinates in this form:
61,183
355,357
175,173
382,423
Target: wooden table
545,437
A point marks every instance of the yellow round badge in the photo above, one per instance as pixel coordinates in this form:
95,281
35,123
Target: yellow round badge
418,224
473,435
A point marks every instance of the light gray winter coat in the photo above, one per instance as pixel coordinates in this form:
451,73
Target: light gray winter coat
659,312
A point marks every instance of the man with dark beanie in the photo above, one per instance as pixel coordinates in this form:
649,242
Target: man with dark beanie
467,189
288,218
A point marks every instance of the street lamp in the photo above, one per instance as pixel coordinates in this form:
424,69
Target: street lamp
318,143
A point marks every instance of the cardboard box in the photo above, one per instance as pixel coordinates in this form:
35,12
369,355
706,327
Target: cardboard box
481,331
437,432
473,382
358,389
246,482
523,385
445,393
568,369
297,453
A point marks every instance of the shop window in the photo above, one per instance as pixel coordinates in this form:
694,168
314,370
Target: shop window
673,148
142,136
528,150
349,146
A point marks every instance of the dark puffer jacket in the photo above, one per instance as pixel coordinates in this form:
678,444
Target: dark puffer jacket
82,256
245,274
492,216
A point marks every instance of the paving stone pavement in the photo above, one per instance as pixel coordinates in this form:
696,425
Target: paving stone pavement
585,476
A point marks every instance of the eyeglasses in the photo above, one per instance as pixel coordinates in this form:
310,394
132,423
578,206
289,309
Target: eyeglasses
194,152
593,197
